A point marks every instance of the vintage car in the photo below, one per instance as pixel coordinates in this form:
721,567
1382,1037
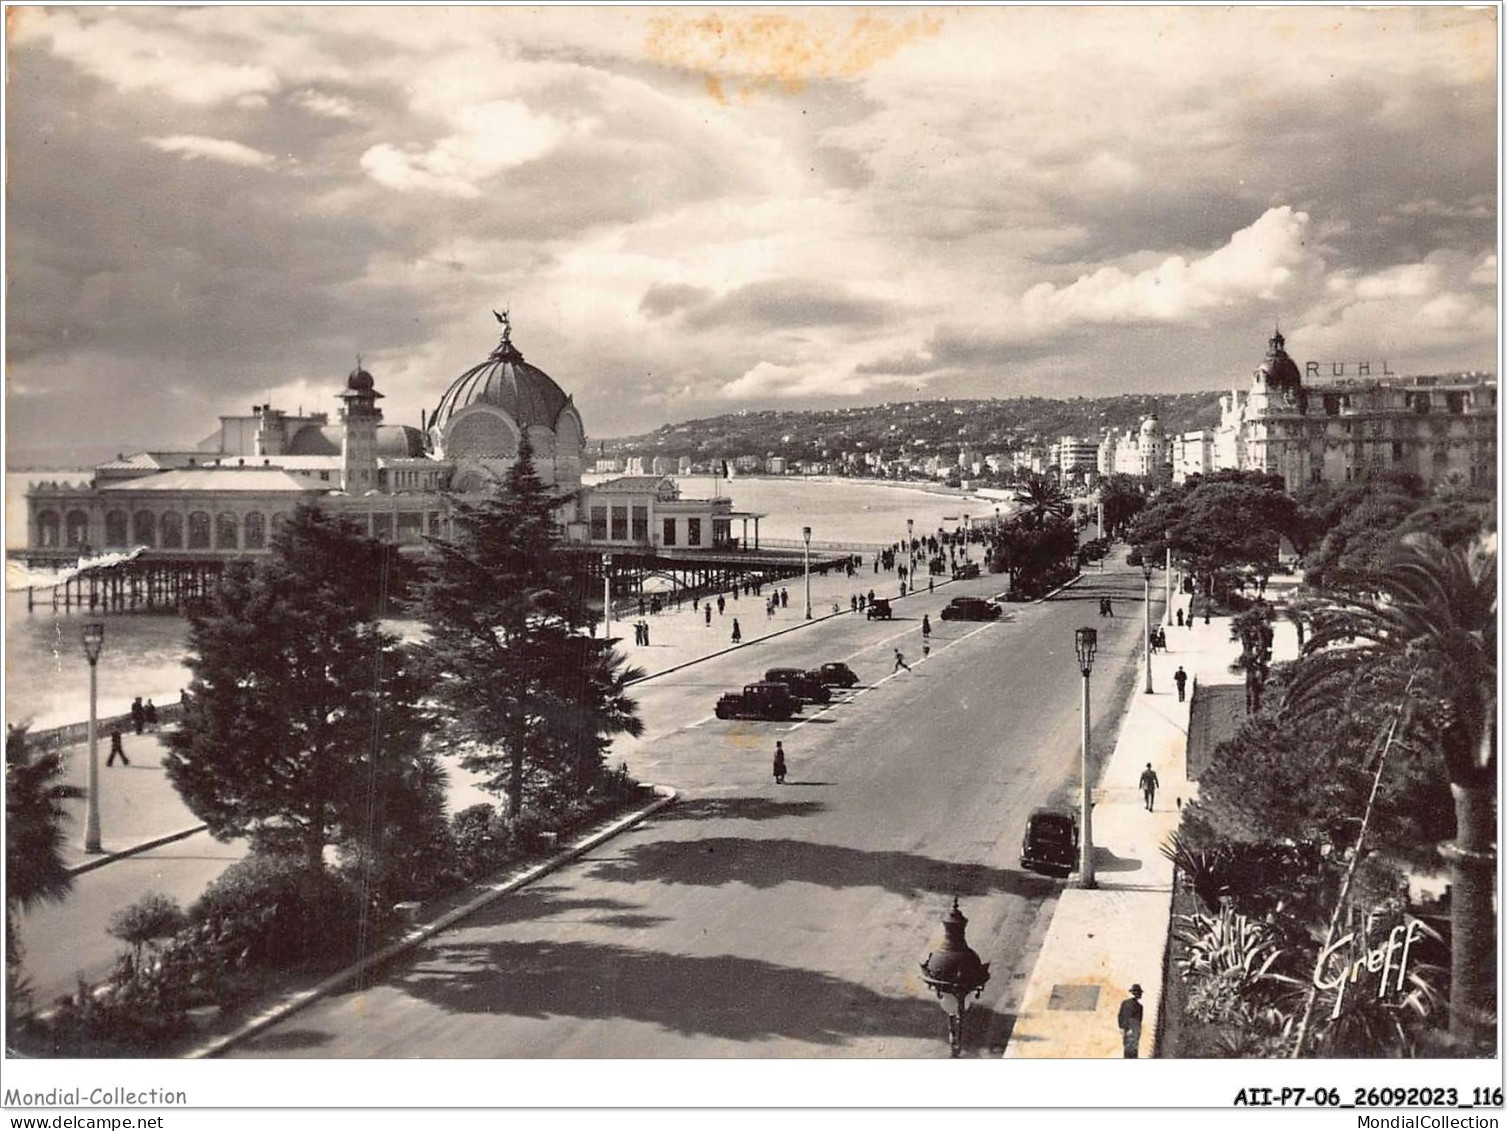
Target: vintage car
803,684
758,701
965,570
878,609
971,608
1050,843
836,675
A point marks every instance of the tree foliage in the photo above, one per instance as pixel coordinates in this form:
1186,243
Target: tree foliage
526,696
1122,498
35,821
1220,522
302,715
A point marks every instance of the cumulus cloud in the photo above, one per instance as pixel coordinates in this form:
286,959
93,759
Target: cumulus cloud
782,304
325,105
664,299
489,138
1258,263
192,148
120,51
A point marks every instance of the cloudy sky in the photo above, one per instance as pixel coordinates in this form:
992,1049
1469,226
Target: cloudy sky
691,211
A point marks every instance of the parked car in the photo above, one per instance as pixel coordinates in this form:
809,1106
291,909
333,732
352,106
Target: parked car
758,701
971,608
965,571
879,609
836,675
802,684
1050,843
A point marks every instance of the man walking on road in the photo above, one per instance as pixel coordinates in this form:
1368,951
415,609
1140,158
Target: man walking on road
116,749
1129,1020
1149,784
1181,678
138,714
900,662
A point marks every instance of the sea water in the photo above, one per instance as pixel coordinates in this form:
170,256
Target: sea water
47,677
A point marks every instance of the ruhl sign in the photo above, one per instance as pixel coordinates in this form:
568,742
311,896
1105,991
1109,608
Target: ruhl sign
1340,369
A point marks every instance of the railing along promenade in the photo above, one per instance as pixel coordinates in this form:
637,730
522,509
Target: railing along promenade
71,734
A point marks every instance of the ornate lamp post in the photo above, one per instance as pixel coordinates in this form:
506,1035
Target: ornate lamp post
1084,642
1146,573
806,565
953,973
607,596
94,644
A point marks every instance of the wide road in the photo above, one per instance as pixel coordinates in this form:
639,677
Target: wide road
752,919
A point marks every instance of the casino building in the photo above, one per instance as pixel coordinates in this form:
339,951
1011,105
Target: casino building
224,497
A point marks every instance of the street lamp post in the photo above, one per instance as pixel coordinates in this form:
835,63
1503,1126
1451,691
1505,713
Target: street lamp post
607,596
953,973
94,644
1084,643
1146,647
1167,611
806,565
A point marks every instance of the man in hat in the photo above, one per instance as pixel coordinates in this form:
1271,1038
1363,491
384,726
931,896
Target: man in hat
1129,1020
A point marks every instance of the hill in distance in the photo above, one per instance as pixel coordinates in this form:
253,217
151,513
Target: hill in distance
918,427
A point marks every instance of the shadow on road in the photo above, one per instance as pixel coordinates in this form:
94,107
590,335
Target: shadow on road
722,996
765,863
743,808
539,902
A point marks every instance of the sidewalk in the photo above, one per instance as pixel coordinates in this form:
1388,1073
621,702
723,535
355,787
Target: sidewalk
1102,941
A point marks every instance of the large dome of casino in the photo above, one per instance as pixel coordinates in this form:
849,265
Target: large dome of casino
484,414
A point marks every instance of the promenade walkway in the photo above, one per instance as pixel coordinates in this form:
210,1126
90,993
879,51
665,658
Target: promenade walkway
1102,941
139,806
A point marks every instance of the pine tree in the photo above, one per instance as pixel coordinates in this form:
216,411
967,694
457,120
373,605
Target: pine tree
35,871
526,695
302,711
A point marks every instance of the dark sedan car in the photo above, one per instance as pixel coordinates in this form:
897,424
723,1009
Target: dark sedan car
835,675
1050,843
971,608
802,684
759,701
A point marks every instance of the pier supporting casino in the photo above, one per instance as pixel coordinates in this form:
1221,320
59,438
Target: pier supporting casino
154,582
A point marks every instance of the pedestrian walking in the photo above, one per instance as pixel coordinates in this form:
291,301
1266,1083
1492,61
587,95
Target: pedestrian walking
1181,678
149,712
785,597
853,603
116,749
721,604
871,596
779,766
138,715
930,582
707,608
183,699
1180,618
900,662
1109,609
738,633
1129,1020
926,627
1149,784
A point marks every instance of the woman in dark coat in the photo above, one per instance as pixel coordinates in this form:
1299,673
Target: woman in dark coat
779,764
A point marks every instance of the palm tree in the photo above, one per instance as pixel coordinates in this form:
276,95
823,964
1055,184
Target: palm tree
1041,499
1436,609
34,817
